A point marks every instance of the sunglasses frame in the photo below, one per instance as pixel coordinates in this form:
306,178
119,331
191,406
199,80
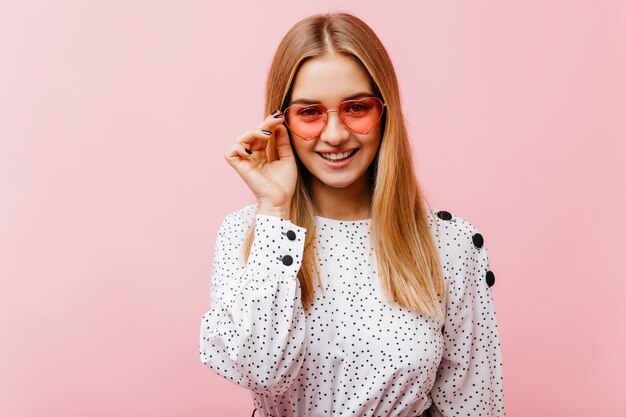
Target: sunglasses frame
384,105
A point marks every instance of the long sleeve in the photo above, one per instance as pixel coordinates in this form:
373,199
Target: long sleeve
469,377
255,331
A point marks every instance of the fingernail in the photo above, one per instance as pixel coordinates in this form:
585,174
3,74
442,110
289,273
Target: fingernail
278,116
274,112
248,151
266,132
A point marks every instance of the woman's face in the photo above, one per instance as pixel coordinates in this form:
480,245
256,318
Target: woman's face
330,80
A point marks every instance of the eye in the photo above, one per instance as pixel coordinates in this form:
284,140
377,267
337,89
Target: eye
357,107
310,111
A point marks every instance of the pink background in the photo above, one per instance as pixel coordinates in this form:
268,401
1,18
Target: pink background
114,116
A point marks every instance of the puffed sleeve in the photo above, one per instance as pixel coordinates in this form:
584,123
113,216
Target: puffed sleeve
255,332
469,377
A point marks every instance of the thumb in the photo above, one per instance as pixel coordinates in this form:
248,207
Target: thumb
281,140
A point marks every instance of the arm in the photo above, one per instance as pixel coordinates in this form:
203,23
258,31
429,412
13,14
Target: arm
255,332
469,377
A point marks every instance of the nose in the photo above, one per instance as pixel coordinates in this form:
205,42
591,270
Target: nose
335,132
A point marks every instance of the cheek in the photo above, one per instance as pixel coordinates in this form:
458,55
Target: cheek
373,141
304,149
303,154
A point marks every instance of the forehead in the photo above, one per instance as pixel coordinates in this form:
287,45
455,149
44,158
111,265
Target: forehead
329,79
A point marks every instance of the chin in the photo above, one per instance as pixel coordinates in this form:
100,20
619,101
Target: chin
339,185
338,182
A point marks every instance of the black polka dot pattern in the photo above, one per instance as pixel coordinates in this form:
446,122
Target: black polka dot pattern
352,353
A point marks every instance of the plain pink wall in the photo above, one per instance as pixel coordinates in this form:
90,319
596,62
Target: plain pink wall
114,116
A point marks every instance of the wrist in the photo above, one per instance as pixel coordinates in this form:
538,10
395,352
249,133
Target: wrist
282,212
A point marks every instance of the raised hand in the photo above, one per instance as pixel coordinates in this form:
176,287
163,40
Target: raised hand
273,183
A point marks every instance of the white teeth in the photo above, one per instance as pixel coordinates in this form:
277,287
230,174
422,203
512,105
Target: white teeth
337,156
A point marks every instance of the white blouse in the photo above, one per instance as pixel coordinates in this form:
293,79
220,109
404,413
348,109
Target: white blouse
352,353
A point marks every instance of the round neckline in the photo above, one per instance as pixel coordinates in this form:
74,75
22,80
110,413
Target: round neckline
327,219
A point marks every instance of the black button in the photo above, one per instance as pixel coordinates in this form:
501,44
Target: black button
444,215
287,260
478,240
291,235
491,278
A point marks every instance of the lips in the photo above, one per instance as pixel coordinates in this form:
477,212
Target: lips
347,154
340,164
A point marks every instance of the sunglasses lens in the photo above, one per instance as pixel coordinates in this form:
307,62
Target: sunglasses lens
361,115
306,121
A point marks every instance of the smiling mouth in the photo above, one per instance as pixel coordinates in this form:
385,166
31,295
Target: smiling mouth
338,157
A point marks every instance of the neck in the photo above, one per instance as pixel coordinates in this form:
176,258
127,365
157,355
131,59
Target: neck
348,203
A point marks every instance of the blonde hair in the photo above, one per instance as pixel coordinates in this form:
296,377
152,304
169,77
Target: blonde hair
408,259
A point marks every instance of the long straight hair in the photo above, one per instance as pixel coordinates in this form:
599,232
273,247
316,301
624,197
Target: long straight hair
406,253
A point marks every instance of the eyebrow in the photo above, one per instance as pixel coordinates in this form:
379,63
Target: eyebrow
350,97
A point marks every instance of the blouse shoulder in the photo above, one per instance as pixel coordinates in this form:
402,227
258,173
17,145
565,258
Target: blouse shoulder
461,246
453,230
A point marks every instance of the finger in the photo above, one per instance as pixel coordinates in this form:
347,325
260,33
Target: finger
283,147
276,118
254,139
237,152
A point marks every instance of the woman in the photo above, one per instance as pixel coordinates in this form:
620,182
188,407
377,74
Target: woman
338,293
